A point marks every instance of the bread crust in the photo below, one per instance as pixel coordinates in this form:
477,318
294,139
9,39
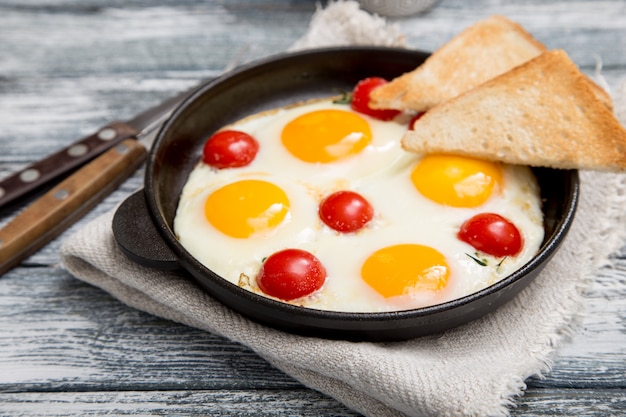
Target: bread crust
484,50
542,113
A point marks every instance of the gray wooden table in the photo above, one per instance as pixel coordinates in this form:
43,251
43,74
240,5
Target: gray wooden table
68,67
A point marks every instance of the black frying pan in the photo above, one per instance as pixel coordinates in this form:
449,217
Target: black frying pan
143,223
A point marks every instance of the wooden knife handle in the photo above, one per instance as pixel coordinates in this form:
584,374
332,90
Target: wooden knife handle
63,161
60,207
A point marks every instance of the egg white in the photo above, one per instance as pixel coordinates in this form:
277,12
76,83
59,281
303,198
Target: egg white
381,173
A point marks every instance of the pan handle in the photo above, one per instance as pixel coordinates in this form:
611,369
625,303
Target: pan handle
137,236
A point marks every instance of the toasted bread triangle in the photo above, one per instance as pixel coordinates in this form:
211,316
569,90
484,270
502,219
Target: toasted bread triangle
484,50
542,113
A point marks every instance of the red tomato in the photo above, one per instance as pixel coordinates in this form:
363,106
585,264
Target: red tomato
361,99
291,274
229,149
415,119
492,234
346,211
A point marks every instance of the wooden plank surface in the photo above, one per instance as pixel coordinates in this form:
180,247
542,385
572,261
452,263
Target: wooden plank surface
68,67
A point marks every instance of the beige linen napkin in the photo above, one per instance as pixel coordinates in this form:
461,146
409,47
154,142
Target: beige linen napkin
474,370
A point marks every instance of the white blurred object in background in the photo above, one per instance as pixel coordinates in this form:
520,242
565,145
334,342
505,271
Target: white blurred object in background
396,8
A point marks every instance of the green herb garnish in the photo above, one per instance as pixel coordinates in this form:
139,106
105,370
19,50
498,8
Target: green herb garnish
481,262
346,98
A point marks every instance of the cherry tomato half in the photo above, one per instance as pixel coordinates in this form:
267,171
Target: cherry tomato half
229,149
345,211
492,234
415,119
291,274
361,99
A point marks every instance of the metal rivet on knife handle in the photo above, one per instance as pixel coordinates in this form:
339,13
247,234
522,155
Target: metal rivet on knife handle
61,194
29,175
77,150
67,159
67,202
107,134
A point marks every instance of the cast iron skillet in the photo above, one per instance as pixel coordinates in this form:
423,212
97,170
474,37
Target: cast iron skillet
143,223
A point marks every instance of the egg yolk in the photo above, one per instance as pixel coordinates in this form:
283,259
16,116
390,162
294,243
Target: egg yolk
326,135
456,180
243,208
404,269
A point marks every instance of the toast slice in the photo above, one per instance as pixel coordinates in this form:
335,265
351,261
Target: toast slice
486,49
542,113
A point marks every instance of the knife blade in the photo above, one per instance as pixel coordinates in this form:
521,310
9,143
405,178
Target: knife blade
85,149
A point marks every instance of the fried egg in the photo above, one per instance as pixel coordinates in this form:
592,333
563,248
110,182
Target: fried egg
408,256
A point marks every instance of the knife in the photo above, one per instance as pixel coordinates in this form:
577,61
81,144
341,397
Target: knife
80,152
108,157
115,153
65,203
